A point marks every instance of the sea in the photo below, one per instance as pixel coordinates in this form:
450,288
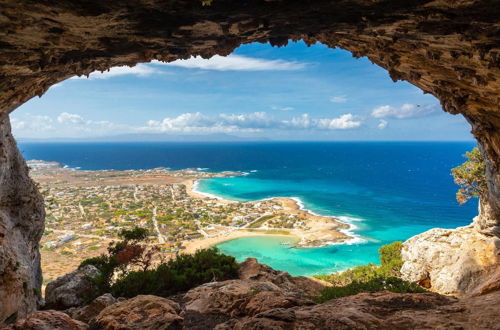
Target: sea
386,191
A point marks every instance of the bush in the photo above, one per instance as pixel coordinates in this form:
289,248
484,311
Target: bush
390,266
178,275
135,234
392,284
390,259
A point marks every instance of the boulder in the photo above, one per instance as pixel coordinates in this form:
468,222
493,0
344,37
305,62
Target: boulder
71,290
141,312
238,298
250,269
382,310
47,320
88,313
450,261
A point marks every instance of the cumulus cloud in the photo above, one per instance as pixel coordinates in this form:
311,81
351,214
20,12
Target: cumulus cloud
339,99
140,70
236,63
70,118
405,111
346,121
251,122
382,124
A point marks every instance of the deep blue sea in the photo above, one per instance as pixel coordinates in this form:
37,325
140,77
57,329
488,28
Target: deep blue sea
388,190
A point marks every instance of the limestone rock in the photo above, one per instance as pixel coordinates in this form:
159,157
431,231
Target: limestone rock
301,285
227,297
71,290
21,226
89,312
383,310
450,261
47,320
141,312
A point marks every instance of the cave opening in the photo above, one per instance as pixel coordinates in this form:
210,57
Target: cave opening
232,113
448,50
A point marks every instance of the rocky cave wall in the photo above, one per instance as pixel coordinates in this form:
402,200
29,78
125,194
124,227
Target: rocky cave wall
449,48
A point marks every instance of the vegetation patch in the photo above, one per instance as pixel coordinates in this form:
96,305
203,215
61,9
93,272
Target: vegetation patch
370,278
127,270
377,284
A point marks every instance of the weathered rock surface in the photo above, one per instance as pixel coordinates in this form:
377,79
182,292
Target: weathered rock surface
21,226
240,297
89,312
71,290
47,320
141,312
383,310
450,261
305,286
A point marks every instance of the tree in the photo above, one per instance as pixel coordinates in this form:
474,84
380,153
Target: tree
470,176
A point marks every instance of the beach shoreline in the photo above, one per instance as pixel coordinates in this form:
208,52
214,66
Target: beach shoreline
319,235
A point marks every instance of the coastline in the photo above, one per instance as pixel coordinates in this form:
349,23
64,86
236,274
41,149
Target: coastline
321,234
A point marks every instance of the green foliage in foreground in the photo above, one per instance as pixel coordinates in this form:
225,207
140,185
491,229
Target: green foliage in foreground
390,266
178,275
370,278
130,263
470,176
392,284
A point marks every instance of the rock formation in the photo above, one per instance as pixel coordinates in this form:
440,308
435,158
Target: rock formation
450,261
73,289
21,226
258,303
450,49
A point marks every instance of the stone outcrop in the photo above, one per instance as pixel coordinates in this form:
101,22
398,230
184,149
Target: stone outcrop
47,320
89,312
260,304
21,226
71,290
383,310
141,312
251,269
450,261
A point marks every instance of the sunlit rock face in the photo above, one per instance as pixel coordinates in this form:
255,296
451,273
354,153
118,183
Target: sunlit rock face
450,49
451,261
21,226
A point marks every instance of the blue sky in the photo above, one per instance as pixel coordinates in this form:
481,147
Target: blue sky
289,93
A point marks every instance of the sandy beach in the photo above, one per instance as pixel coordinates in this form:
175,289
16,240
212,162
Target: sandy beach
317,230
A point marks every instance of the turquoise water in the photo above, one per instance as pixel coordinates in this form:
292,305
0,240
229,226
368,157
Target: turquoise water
388,190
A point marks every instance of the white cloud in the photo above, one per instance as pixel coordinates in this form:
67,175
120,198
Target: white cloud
304,121
236,63
140,70
345,121
281,108
17,124
382,124
70,118
405,111
339,99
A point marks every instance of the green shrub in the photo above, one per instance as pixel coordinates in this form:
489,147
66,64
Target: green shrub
134,234
177,275
470,176
390,266
390,259
392,284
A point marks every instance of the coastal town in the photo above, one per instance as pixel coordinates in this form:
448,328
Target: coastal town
85,211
